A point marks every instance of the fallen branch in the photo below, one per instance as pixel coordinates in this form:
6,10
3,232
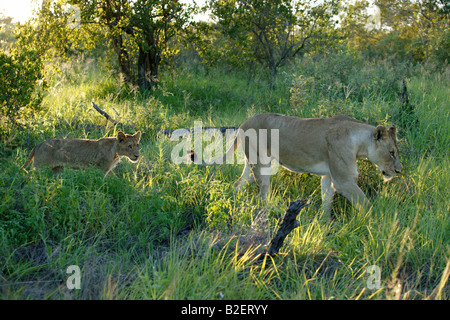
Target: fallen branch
289,223
103,113
108,117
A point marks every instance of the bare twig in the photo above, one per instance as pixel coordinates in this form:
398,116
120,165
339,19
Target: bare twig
103,113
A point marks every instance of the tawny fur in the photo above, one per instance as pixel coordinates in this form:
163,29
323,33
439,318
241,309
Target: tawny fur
327,147
103,153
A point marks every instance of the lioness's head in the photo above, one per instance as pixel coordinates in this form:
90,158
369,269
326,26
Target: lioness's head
385,152
128,145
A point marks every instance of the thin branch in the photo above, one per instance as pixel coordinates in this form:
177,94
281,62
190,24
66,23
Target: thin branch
103,113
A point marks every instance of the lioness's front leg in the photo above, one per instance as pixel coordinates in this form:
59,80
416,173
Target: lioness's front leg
344,174
353,193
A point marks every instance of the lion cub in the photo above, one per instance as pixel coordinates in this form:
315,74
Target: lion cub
103,153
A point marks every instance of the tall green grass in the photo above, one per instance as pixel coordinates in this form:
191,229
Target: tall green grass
157,230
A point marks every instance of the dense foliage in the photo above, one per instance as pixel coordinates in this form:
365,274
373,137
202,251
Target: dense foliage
22,86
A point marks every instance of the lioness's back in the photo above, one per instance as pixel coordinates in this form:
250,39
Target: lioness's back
280,121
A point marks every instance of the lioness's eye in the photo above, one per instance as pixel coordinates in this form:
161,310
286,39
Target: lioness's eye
393,154
130,146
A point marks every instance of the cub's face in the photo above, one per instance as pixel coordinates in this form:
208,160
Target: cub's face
129,145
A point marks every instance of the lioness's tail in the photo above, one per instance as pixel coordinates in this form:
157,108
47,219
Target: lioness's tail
30,158
193,156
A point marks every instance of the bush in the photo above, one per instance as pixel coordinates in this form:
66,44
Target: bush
348,77
21,76
345,83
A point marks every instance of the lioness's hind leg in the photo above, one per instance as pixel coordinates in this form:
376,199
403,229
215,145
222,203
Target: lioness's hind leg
262,178
245,179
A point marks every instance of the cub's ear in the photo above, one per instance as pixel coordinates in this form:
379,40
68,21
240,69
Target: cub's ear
137,135
380,133
121,136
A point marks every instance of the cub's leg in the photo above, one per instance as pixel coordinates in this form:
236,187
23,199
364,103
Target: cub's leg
328,192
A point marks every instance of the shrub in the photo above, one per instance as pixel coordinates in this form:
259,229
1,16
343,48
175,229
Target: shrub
21,76
343,76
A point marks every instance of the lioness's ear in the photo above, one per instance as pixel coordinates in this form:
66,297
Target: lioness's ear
393,131
380,132
137,135
121,136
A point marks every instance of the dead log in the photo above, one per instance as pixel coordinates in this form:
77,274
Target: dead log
288,224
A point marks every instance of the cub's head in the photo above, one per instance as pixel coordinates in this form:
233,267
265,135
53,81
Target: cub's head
385,152
128,145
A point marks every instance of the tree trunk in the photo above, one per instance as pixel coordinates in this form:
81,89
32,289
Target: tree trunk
148,62
143,80
123,58
148,68
273,75
154,60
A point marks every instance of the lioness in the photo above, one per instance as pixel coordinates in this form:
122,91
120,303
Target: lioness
327,147
103,153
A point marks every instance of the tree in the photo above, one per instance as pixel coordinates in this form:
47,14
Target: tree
56,31
139,33
407,29
361,29
275,30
